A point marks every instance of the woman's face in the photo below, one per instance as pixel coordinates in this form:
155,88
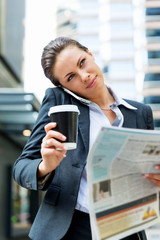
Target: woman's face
77,71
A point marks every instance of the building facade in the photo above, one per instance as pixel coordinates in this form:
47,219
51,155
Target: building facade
18,112
148,51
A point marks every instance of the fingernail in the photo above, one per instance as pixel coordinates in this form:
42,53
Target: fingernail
157,167
63,138
64,155
146,175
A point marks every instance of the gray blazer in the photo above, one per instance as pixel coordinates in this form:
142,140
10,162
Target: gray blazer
55,214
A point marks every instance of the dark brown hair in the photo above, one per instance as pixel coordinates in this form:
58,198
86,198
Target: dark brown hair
50,53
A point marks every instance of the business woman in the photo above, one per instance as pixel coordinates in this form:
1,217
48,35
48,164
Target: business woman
64,212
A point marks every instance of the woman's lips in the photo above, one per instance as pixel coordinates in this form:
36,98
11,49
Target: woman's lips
92,83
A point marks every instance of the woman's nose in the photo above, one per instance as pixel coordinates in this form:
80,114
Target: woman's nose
85,76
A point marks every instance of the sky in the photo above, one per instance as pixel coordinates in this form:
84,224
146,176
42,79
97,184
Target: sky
39,31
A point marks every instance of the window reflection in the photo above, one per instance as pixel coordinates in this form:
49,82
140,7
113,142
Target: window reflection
154,54
152,77
151,99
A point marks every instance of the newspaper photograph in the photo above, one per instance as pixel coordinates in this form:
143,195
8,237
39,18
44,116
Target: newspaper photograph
121,200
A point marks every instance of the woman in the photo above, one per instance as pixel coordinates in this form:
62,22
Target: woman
64,211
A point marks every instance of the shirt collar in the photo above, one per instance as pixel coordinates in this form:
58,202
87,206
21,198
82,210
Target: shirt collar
118,100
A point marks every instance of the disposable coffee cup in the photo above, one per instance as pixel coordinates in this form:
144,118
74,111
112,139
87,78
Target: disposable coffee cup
66,117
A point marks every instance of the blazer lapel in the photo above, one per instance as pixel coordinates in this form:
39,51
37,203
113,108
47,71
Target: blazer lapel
84,122
130,118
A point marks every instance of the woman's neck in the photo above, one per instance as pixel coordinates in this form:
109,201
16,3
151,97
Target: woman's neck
104,99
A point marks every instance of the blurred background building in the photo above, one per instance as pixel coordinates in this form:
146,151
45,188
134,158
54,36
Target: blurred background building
147,53
18,111
123,35
117,45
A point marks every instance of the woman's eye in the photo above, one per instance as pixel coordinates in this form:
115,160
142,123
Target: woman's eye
81,63
70,77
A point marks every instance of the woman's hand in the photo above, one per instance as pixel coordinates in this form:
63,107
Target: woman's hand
50,155
154,177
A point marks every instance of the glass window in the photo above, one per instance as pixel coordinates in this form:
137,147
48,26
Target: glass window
89,4
152,77
122,49
92,42
151,84
157,123
105,69
153,54
152,99
131,91
152,32
153,11
121,70
88,9
121,29
121,10
88,25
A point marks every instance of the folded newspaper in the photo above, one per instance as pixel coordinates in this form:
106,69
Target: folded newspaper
121,200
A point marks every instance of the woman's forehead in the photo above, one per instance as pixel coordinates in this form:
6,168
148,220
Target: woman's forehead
70,50
69,55
66,61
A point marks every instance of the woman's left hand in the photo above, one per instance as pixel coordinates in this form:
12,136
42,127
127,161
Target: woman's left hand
154,177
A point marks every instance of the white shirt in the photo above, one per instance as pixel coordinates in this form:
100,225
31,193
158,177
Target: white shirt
97,120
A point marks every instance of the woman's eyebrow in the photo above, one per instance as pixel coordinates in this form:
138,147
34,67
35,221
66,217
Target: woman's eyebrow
67,74
78,62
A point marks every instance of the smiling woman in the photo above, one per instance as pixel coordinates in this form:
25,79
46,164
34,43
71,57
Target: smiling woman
64,213
69,64
76,70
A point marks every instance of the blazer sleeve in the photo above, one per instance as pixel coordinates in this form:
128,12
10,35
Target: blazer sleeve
25,167
148,117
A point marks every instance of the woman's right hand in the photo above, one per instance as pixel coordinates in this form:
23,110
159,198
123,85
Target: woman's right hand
51,157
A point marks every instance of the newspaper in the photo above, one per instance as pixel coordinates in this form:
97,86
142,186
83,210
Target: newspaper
121,200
